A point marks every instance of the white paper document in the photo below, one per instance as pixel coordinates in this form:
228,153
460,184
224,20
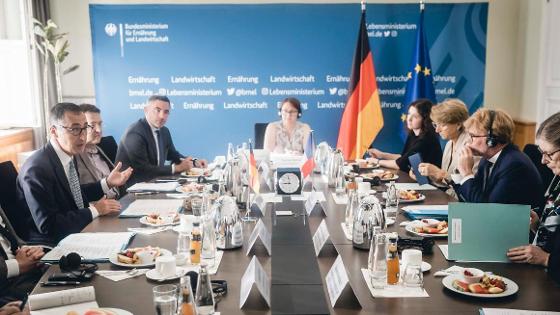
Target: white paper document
260,231
336,280
509,311
443,208
142,207
347,232
393,291
254,274
413,186
91,246
340,199
62,302
269,197
159,187
320,237
319,196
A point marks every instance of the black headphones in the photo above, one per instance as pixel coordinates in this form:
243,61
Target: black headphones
73,262
292,100
491,140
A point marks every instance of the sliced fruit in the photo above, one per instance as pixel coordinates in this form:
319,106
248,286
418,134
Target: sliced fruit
460,285
477,288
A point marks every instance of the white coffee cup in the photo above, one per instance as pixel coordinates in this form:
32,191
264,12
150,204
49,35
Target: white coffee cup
146,257
364,187
411,257
166,266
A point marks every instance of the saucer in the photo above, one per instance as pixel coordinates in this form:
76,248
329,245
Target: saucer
154,274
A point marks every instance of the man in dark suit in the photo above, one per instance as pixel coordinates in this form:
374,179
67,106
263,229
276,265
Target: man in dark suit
147,144
505,174
19,269
93,164
48,183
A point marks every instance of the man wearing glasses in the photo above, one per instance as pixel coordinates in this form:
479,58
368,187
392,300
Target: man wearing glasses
505,174
48,184
146,145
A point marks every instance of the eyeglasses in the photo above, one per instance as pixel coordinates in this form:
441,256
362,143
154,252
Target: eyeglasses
441,125
290,112
548,155
476,136
76,131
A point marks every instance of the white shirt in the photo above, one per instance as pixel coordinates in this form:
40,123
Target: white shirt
11,264
492,160
65,159
157,146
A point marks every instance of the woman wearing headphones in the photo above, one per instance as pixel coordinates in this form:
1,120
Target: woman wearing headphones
287,135
448,118
421,139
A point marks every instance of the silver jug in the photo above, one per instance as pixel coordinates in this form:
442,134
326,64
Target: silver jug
228,225
234,174
322,156
336,162
370,214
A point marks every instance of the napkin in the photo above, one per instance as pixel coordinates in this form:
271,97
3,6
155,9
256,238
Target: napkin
449,271
118,275
149,231
347,232
393,291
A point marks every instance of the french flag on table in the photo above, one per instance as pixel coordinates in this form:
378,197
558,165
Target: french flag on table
309,163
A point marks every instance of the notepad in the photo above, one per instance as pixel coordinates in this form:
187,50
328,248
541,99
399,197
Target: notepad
91,246
159,187
61,302
142,207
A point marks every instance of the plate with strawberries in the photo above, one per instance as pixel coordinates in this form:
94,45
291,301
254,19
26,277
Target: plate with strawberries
489,286
428,228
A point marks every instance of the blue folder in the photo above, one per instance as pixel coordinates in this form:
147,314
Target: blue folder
415,160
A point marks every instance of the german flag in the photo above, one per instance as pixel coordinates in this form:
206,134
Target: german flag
254,180
362,118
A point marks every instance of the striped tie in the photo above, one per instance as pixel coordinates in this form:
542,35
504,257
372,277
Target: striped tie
75,184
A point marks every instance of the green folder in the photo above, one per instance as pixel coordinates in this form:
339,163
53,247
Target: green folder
485,231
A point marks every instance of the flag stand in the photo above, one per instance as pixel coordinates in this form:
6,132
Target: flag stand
247,217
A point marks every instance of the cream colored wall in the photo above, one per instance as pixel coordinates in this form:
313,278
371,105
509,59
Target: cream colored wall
512,58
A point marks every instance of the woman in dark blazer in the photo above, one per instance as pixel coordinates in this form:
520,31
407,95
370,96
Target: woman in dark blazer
545,249
422,139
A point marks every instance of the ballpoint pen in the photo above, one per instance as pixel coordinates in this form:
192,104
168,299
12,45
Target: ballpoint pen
145,193
59,283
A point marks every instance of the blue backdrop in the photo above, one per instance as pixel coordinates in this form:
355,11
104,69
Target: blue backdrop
226,67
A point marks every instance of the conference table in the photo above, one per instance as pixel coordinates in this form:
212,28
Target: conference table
298,276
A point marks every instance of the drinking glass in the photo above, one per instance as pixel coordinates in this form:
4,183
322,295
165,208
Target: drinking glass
183,248
391,202
412,276
196,204
377,262
165,299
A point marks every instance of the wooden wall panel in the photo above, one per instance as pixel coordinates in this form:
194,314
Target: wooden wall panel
14,141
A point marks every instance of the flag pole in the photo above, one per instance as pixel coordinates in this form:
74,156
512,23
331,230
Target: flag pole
363,3
313,155
421,5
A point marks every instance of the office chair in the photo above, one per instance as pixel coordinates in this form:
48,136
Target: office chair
109,146
260,129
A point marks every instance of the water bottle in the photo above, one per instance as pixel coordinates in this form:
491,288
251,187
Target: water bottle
378,268
391,202
204,298
208,252
351,208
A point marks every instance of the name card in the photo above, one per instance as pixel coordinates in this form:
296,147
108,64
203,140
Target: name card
320,237
311,201
254,274
265,175
261,232
259,204
337,280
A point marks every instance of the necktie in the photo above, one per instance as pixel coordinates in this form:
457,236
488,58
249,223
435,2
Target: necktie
10,237
161,157
75,185
486,173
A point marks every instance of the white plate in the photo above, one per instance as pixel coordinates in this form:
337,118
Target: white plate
187,193
511,287
390,221
144,221
154,275
425,267
421,198
410,228
115,261
117,311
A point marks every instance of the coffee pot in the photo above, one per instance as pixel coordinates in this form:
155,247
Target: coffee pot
322,156
370,215
336,162
228,225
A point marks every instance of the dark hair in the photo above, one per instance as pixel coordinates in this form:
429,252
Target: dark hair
89,108
294,101
57,111
424,108
162,98
549,130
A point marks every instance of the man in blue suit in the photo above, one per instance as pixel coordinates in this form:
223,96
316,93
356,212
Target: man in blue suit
147,144
505,174
48,183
